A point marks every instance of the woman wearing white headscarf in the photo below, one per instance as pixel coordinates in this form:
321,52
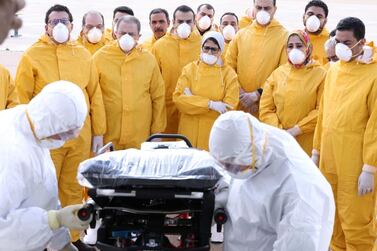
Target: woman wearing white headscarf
206,89
277,199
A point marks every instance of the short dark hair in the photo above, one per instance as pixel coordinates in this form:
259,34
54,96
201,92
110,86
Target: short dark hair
58,8
185,9
332,33
318,3
228,14
92,12
123,9
159,11
207,5
274,1
352,24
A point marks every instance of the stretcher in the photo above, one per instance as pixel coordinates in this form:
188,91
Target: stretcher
143,197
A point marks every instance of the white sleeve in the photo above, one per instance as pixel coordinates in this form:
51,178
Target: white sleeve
20,228
60,239
299,228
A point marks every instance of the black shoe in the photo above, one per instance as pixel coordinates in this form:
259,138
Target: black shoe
81,246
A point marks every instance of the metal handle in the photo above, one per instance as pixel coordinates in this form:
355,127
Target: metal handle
170,136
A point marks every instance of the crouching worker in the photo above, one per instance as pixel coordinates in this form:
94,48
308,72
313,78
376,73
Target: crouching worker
30,215
278,199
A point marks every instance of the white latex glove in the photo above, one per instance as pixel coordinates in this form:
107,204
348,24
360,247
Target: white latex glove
315,157
219,106
67,217
294,131
187,91
97,143
249,98
366,180
69,247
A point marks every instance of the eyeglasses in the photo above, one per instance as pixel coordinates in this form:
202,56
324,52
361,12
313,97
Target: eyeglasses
209,48
54,22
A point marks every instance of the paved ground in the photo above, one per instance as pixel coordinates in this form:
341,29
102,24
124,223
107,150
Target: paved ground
289,13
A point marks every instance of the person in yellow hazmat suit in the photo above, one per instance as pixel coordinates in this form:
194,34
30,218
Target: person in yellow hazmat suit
91,36
174,51
345,139
8,93
204,18
256,51
117,14
159,23
315,19
206,89
54,57
229,27
132,86
292,94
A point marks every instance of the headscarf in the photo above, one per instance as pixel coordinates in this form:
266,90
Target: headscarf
215,35
304,37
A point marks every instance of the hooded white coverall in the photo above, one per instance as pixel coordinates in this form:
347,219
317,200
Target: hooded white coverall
28,186
284,203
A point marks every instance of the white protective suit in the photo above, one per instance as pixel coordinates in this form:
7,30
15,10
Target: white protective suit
285,204
28,186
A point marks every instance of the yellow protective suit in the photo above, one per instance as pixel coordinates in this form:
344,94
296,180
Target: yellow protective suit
346,138
226,46
172,54
92,48
256,52
291,97
8,93
148,44
46,62
133,94
318,41
245,21
216,83
108,34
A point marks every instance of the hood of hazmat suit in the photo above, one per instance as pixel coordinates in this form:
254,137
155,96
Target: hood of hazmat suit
286,203
28,186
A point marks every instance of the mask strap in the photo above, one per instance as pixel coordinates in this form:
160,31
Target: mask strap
31,124
253,147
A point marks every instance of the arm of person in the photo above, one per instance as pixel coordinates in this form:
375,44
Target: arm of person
96,106
25,80
267,106
308,123
232,54
192,105
21,228
157,92
232,89
12,99
318,129
370,135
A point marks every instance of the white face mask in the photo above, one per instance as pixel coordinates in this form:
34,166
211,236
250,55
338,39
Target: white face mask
229,32
204,23
343,52
263,17
313,24
208,58
60,33
296,56
127,43
184,31
51,143
94,35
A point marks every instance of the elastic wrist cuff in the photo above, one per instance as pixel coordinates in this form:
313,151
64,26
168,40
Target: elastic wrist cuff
369,169
52,217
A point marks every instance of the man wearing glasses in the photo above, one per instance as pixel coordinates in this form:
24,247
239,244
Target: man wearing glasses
54,57
91,36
